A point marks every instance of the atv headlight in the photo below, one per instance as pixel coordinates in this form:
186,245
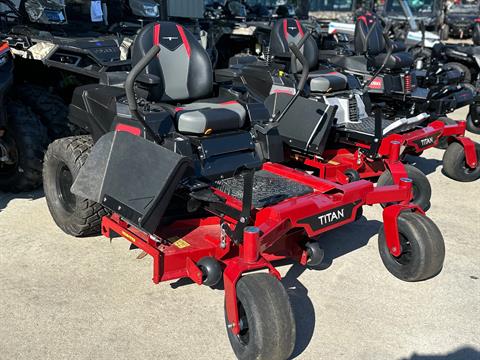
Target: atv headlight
151,10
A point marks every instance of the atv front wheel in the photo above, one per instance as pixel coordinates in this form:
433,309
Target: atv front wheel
74,215
423,248
50,108
21,150
267,325
455,166
422,191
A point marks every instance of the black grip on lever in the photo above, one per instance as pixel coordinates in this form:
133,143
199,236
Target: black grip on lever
130,92
299,46
134,73
305,71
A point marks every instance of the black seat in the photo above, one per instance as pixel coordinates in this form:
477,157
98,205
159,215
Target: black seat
328,82
185,74
395,61
286,31
369,40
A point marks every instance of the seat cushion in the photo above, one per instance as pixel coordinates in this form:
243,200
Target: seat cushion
204,117
333,81
395,61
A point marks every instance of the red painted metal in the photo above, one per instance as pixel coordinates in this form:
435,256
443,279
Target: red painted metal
251,245
470,151
280,232
4,48
390,225
128,128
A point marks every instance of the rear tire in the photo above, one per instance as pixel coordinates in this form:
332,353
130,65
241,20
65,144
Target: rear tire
25,140
50,108
467,74
422,191
454,165
74,215
473,127
266,320
423,248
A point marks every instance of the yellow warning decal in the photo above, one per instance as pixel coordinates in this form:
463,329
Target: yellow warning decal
181,244
331,162
128,236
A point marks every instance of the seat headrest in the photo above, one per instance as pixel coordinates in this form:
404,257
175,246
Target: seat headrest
286,31
182,64
368,36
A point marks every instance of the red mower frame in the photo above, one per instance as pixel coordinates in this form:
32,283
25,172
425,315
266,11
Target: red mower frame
276,232
335,162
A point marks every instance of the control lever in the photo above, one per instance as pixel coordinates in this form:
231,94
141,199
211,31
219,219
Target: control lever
300,44
130,91
303,80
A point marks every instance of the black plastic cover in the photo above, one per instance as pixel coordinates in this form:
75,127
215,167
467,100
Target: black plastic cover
306,125
131,176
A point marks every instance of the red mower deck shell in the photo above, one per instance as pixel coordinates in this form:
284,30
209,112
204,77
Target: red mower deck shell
278,231
335,162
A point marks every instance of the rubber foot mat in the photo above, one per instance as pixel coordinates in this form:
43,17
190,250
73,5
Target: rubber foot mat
268,188
367,126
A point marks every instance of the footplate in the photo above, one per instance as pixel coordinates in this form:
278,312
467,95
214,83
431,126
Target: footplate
268,188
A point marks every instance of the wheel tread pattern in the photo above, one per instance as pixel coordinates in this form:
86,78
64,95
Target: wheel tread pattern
88,213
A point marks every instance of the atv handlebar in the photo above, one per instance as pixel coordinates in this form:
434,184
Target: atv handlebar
305,71
134,73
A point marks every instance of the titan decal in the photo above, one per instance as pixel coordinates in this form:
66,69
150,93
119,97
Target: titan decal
330,217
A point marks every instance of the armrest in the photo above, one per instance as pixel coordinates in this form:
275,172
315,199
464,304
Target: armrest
148,79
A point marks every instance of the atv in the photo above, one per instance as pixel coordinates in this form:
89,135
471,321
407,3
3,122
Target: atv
53,54
176,173
460,18
22,136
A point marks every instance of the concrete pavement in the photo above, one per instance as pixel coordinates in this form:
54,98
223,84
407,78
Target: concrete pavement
67,298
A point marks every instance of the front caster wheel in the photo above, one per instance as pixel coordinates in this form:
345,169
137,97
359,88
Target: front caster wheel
267,325
315,253
423,248
422,191
454,165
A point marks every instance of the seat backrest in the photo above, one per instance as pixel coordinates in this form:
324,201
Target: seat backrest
183,65
286,31
368,36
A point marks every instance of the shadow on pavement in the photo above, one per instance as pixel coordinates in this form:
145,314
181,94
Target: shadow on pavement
346,239
465,353
5,198
427,166
303,309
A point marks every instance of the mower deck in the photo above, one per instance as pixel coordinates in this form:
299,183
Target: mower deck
304,207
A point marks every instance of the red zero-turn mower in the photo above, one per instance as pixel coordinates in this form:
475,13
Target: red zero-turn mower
188,188
350,144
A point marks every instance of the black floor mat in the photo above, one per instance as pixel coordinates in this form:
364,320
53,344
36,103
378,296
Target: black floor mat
367,126
268,188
